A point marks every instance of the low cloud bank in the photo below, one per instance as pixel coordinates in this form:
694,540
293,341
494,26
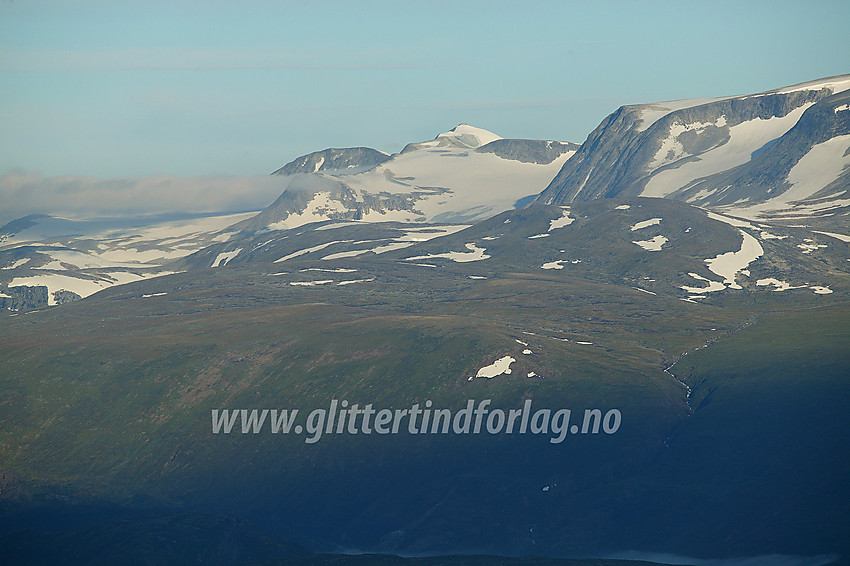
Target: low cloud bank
23,193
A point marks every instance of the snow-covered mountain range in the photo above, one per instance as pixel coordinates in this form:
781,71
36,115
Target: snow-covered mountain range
70,259
463,175
773,157
777,154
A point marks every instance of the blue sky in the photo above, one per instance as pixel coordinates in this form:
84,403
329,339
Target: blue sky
185,88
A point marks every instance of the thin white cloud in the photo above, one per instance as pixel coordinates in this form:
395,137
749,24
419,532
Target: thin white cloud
194,59
26,193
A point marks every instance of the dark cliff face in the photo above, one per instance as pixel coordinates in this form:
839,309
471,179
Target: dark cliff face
24,298
605,151
528,151
619,157
351,159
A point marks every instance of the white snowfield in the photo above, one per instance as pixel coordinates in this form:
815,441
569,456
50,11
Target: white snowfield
557,264
469,136
375,250
730,264
646,224
224,257
317,210
835,84
352,281
745,138
124,251
409,237
809,246
83,260
737,223
335,225
712,286
474,254
819,290
673,168
310,250
564,220
822,165
310,283
502,366
82,286
653,245
671,149
326,270
777,284
118,245
842,237
452,181
651,113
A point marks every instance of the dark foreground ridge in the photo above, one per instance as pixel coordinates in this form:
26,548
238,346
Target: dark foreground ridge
215,540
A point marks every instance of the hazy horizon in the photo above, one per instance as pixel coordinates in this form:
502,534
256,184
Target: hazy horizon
136,89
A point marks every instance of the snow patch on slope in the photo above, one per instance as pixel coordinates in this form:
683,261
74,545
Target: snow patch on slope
222,258
712,286
83,287
651,113
653,245
777,284
729,264
744,139
671,149
818,168
317,210
842,237
474,254
499,367
564,220
646,224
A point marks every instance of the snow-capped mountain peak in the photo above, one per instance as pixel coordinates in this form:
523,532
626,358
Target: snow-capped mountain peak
469,136
463,175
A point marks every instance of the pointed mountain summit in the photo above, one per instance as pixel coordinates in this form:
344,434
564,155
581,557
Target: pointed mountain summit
469,136
462,136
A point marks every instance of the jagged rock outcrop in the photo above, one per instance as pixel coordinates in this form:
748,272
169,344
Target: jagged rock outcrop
23,298
528,151
346,160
